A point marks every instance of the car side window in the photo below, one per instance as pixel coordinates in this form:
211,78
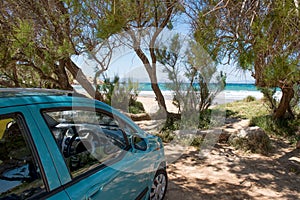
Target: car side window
87,139
20,176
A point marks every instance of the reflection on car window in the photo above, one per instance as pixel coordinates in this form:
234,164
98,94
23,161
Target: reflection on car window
86,139
19,175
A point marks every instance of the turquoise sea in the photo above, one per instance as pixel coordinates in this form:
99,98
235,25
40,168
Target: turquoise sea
229,86
232,92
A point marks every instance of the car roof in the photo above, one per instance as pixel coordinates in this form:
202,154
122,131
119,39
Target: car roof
10,97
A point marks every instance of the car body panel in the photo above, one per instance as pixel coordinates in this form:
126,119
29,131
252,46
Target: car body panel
44,155
128,177
54,152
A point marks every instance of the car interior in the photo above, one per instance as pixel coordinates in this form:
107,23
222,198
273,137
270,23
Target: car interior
19,175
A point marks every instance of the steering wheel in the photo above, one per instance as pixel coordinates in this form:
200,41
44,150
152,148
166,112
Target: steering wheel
78,145
81,141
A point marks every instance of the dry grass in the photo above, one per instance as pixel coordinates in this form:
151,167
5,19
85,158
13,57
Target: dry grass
245,109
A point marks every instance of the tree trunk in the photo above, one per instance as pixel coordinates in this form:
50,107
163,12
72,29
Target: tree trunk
284,105
82,80
15,76
153,78
62,76
159,96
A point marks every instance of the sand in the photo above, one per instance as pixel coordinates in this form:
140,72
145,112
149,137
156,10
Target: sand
151,106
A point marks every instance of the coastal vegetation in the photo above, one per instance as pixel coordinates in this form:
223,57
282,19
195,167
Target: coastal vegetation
121,95
259,36
258,112
38,50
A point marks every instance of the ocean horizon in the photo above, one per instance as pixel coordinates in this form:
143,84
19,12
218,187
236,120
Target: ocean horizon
146,86
232,92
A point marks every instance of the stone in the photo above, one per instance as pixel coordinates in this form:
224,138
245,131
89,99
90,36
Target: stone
139,117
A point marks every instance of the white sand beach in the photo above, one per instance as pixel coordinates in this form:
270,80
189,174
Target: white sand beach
227,96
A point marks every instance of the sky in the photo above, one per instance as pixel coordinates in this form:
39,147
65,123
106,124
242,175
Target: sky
129,66
126,64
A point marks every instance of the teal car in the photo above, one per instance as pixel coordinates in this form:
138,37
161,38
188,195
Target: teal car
57,145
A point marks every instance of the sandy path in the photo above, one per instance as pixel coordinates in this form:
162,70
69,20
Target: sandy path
226,173
229,174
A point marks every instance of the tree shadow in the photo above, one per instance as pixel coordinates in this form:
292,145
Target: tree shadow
280,175
208,191
256,176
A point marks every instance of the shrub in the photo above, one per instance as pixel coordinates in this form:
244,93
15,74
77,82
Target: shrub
166,136
249,99
204,119
197,141
280,127
121,95
260,145
135,106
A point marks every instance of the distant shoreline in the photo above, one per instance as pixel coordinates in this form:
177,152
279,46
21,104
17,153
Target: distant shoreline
146,86
226,96
147,97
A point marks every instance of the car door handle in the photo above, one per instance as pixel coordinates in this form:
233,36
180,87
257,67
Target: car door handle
92,191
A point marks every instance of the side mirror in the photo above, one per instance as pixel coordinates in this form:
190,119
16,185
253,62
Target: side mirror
139,143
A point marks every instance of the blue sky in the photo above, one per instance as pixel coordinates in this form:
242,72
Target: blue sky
126,64
129,66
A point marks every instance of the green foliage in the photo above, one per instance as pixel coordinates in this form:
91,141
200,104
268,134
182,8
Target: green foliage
269,97
257,112
296,100
205,119
231,114
249,99
202,75
197,141
121,95
166,135
113,24
173,122
245,60
135,106
203,82
240,109
108,87
261,37
261,144
277,127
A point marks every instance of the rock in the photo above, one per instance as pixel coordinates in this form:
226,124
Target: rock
216,135
241,124
226,133
139,117
224,136
246,183
253,132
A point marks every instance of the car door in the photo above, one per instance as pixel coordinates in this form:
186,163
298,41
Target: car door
102,162
26,169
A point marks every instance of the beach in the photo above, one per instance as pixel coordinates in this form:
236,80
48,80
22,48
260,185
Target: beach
232,92
226,96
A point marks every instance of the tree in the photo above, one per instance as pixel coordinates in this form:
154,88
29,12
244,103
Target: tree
193,75
139,24
260,36
39,46
170,57
202,70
